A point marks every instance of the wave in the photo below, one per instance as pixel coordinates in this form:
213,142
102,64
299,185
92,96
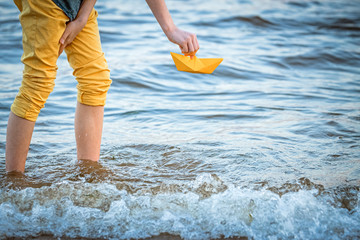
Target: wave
323,60
255,21
203,209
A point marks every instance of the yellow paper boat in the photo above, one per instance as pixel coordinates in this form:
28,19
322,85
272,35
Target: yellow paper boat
195,65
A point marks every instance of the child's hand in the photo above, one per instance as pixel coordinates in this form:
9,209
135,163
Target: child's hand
73,28
71,31
187,42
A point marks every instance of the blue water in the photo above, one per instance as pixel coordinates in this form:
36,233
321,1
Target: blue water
266,147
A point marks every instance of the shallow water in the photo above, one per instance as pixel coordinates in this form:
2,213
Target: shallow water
265,147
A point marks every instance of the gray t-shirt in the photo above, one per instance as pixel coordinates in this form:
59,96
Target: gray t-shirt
70,7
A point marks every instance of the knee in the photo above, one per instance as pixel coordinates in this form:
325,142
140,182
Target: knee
32,96
93,82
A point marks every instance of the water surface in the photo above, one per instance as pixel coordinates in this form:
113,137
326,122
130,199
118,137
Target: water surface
265,147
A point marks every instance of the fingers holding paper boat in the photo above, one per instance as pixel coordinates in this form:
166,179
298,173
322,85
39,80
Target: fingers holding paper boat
189,45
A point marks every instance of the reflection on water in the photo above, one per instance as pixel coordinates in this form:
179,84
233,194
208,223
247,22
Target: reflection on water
265,147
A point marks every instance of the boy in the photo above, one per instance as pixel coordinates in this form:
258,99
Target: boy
49,27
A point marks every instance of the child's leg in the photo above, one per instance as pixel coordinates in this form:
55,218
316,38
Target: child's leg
91,71
43,24
18,137
88,130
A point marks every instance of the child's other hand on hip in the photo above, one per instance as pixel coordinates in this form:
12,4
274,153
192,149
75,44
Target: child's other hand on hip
71,31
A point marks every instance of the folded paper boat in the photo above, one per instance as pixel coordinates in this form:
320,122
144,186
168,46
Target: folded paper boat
195,65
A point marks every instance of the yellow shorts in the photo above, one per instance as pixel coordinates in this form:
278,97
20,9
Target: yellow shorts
43,23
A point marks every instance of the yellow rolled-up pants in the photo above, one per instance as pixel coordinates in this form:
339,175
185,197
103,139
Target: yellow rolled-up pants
43,24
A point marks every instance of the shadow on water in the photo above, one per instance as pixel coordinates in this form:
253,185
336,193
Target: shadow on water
90,172
85,171
19,181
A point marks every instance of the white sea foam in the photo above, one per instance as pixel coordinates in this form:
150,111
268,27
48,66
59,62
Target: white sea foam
102,211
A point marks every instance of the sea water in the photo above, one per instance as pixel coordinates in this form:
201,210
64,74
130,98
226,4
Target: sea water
266,147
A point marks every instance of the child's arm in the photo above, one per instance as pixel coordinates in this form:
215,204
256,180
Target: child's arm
187,41
74,27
